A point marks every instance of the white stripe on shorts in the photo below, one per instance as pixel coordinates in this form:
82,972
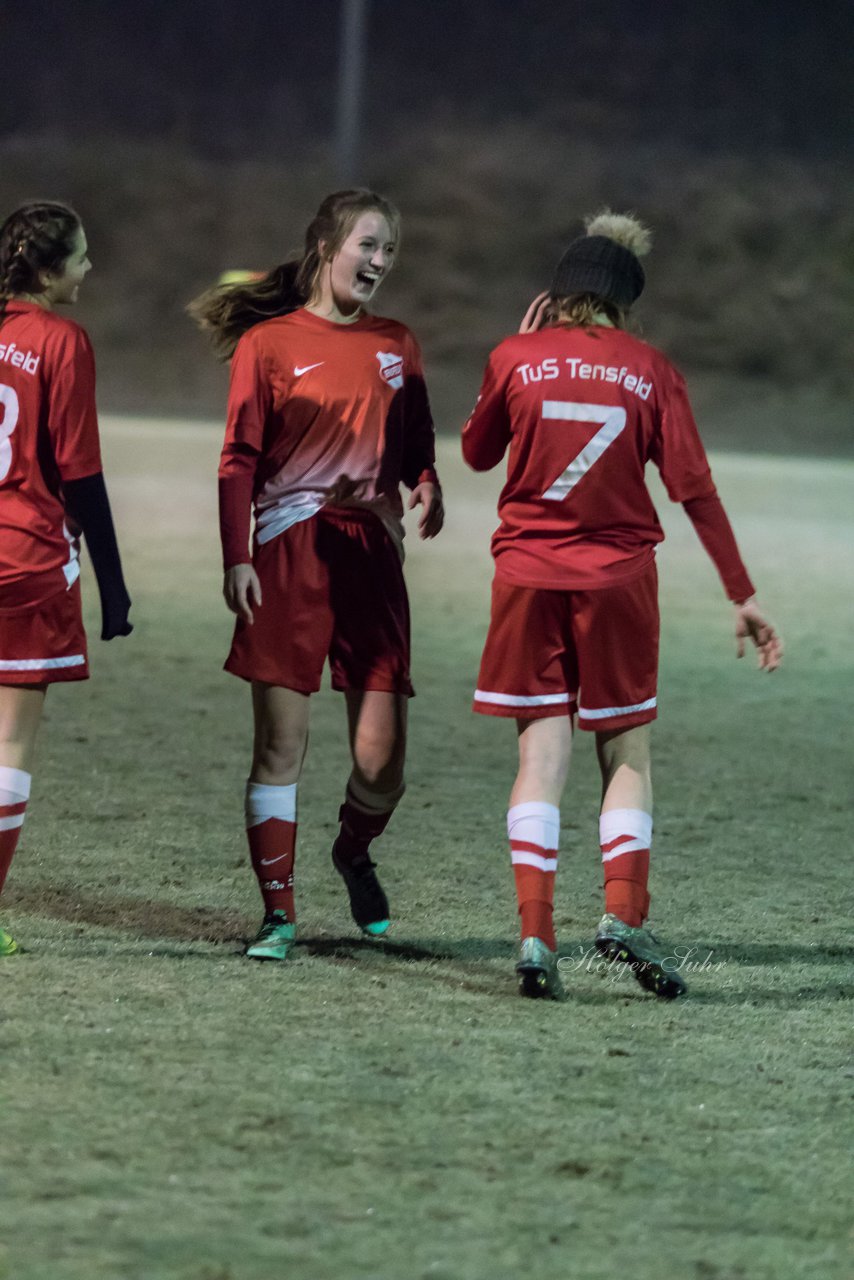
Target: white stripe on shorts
42,664
526,859
14,820
603,713
513,700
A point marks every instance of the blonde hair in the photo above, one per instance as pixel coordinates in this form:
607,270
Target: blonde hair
581,310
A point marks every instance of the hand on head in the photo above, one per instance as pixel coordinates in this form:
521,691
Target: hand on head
533,318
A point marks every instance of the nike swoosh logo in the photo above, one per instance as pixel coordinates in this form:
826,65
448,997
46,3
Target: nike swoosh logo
298,372
268,862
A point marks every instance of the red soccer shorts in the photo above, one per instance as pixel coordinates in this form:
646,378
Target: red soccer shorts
44,643
332,586
552,653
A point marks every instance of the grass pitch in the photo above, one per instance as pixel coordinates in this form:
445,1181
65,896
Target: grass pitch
171,1111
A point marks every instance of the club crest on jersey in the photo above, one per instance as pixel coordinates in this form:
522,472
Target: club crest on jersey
391,368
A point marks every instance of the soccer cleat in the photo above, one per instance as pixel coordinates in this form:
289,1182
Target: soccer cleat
274,939
639,948
8,945
538,972
368,903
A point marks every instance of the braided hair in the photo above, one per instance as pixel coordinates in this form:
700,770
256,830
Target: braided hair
38,236
228,310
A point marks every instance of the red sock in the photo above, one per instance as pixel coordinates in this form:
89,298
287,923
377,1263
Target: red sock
533,829
271,830
625,836
364,815
14,793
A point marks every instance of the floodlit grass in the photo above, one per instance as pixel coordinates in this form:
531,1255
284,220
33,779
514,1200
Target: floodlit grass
395,1111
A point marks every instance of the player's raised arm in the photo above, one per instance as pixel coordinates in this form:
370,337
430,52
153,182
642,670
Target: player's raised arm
534,317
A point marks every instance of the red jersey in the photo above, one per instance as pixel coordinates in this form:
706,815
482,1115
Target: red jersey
321,414
48,435
583,411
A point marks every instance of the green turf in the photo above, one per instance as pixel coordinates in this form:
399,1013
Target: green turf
394,1111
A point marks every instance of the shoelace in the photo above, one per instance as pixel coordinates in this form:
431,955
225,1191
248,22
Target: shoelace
275,921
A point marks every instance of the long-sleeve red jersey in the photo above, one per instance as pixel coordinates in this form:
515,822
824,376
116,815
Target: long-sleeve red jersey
48,437
582,412
321,413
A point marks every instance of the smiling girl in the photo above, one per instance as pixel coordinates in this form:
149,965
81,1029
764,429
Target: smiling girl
327,414
51,489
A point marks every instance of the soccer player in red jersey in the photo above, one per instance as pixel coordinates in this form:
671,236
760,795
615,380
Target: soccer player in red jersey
51,490
582,406
327,414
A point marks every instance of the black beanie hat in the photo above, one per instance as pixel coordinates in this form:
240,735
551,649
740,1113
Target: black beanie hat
597,264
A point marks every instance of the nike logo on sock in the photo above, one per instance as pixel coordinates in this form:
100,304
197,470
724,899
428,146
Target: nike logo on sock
268,862
299,371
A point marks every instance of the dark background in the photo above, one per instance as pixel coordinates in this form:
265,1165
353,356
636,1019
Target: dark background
258,78
199,136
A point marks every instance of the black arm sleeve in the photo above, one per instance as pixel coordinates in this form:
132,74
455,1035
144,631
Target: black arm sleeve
88,506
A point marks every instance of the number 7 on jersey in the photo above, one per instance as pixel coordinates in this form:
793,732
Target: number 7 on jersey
613,419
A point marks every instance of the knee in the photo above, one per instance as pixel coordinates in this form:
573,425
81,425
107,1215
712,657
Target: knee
379,760
626,747
279,754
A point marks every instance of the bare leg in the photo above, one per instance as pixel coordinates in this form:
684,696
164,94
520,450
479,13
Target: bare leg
533,829
624,760
21,709
545,748
281,734
281,738
625,830
377,725
625,823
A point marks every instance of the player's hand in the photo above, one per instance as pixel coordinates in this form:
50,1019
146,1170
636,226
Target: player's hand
242,590
114,616
751,624
533,318
429,496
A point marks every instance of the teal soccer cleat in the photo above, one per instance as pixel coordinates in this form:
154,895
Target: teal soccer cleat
274,939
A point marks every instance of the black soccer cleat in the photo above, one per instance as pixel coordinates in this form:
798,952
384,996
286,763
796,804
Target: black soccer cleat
368,903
